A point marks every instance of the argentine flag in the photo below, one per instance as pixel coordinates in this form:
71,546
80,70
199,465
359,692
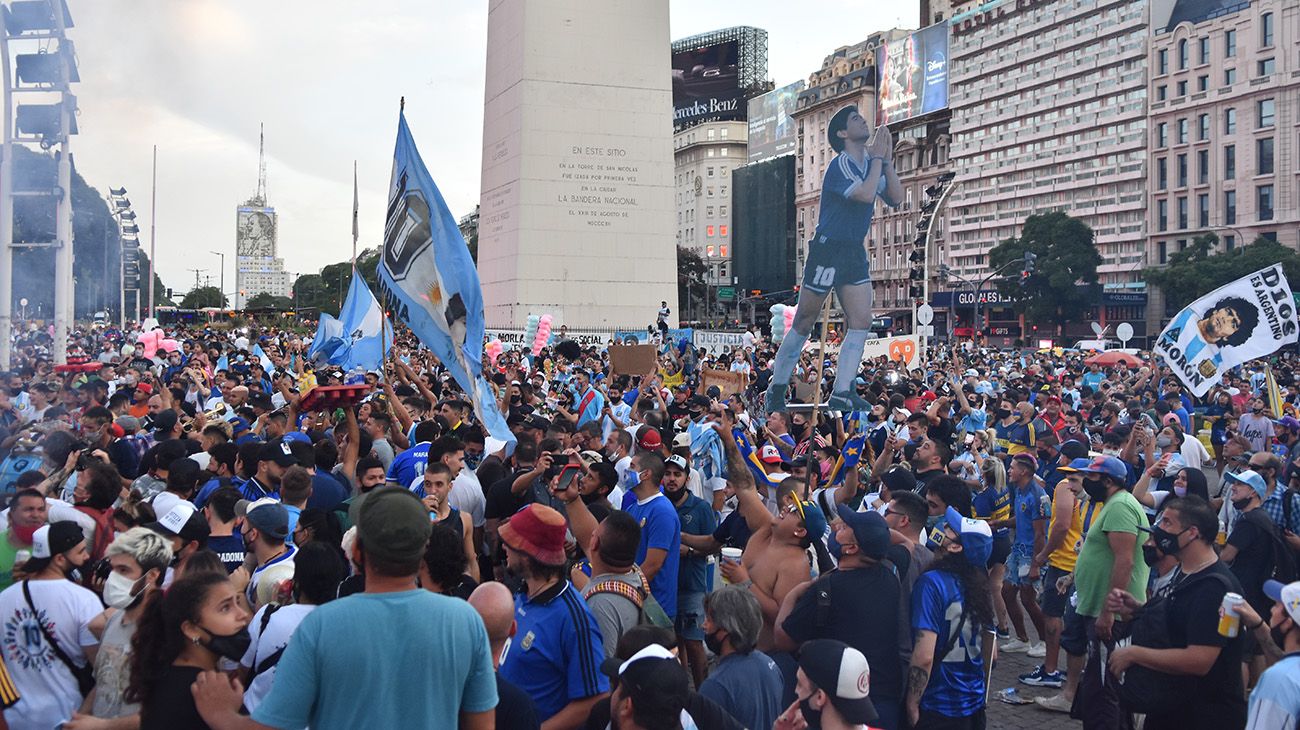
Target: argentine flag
328,340
365,336
428,280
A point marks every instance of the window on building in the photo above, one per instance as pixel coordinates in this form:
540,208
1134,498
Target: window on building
722,211
1162,215
1203,50
1229,161
1162,92
724,248
1182,131
1229,43
1162,251
1264,67
724,191
1229,207
1264,109
1229,76
1182,171
724,151
1266,30
1203,83
1162,61
710,152
1269,236
1182,54
1182,213
1264,155
709,211
723,133
711,133
722,231
1202,167
1162,173
1264,202
1230,121
1203,210
1203,127
1162,134
709,232
708,171
1229,242
1182,88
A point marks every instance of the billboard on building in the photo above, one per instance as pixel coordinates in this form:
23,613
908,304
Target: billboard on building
706,84
771,126
912,75
255,231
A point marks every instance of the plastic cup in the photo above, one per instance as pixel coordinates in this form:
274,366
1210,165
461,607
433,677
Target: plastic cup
729,555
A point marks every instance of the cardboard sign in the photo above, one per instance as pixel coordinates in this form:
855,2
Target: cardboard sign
633,359
728,383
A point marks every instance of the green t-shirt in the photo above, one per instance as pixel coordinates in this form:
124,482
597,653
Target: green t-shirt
8,552
1121,513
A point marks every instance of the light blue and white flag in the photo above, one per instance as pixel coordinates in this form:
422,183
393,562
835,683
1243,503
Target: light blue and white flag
366,336
328,340
428,280
265,359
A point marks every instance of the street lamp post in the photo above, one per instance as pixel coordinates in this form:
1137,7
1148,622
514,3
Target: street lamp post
223,270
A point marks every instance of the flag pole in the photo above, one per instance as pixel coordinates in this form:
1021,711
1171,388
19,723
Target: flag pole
356,231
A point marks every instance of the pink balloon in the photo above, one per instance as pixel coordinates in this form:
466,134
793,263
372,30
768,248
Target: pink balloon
789,317
149,343
170,346
493,350
543,333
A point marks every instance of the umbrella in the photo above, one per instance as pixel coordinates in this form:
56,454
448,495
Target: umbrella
1115,357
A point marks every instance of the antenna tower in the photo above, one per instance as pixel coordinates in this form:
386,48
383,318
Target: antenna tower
261,165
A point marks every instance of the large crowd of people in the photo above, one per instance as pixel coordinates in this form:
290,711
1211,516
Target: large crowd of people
188,545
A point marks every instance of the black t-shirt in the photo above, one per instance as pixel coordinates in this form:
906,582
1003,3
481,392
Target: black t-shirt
861,609
1218,701
678,410
501,503
171,705
733,532
230,548
515,709
491,471
1253,538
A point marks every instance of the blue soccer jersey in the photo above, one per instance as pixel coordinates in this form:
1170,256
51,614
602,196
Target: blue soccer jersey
842,218
956,687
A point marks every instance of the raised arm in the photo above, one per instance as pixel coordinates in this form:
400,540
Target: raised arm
748,502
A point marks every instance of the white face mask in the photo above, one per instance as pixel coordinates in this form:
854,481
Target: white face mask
117,591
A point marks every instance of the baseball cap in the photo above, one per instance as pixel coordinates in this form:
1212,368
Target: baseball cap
676,462
238,425
769,454
975,535
843,674
1249,477
971,373
899,478
1107,466
182,521
535,421
1288,422
50,540
164,420
613,667
648,439
814,520
280,451
869,529
588,457
1078,464
536,530
266,514
1286,594
393,525
681,439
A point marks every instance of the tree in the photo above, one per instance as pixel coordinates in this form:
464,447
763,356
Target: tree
267,300
1063,286
328,290
1197,270
203,296
691,286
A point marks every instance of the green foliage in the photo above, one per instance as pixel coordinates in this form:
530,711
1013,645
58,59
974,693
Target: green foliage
203,296
1064,284
691,286
1200,268
267,300
327,290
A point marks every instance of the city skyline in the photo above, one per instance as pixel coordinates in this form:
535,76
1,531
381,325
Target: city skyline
326,85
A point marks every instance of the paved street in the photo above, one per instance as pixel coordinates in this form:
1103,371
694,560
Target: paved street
1022,717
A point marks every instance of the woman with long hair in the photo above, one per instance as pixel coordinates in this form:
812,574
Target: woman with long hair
183,632
993,505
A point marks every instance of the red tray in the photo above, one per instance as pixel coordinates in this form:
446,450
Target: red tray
79,367
326,397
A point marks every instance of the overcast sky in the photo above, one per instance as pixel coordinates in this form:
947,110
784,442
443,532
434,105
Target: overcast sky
196,77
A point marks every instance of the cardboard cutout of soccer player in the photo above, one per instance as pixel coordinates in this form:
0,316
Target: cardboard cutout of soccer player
861,172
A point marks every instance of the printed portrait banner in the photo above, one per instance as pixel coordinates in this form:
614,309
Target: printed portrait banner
1250,318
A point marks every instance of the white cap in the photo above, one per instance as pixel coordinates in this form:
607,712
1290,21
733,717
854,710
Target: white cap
653,651
1288,595
176,517
492,445
41,542
681,439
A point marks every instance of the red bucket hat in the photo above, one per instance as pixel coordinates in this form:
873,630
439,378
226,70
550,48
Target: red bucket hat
536,530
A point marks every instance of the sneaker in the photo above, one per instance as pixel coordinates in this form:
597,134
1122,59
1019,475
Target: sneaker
1004,634
847,401
775,401
1014,646
1039,678
1038,651
1055,703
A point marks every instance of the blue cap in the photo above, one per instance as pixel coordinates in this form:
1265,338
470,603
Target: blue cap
814,520
1107,466
296,436
1250,478
869,529
1076,464
238,425
976,537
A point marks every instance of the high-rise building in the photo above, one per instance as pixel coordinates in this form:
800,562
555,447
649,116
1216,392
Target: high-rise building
1222,142
847,76
1048,103
704,156
258,269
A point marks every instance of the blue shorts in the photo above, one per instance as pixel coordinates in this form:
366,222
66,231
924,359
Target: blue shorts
832,263
1021,555
690,616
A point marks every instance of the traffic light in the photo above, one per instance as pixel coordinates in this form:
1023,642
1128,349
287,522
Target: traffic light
1031,262
1024,279
917,256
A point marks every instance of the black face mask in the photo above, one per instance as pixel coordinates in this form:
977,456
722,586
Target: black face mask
232,646
1003,414
1150,555
1166,541
1240,504
1096,489
714,643
811,716
15,392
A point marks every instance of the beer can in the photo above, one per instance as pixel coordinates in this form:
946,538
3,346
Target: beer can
1230,621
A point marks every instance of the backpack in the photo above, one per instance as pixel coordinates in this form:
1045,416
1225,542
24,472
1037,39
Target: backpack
650,611
1145,690
1284,560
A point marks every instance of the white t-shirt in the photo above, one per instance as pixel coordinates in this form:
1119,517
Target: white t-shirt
266,579
1194,453
467,496
49,690
279,629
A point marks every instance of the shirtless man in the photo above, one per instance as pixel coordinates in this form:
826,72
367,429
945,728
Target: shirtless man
775,558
